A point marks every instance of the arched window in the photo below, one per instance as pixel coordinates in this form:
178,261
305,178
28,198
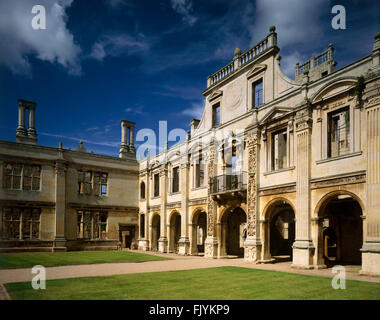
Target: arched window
142,190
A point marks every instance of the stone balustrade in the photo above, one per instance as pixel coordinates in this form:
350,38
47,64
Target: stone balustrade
241,60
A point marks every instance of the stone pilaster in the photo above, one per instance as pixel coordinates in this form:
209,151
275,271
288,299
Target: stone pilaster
60,205
252,245
303,248
184,242
211,242
163,240
371,246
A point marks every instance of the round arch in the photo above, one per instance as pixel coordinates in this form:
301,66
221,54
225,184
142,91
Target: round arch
232,227
198,231
340,228
279,229
174,230
155,227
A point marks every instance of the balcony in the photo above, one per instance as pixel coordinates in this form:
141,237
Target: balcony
227,183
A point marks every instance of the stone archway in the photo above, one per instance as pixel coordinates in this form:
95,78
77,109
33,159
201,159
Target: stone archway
198,232
340,229
233,226
156,231
174,232
279,231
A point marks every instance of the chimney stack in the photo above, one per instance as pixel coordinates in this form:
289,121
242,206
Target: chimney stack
127,146
24,135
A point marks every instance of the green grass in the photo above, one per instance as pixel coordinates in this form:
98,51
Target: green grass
48,259
230,283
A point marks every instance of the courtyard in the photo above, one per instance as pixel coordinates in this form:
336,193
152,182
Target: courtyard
140,276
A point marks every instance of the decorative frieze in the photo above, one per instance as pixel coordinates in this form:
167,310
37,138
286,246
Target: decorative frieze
252,190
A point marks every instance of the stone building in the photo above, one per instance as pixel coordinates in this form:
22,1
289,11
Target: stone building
55,199
276,168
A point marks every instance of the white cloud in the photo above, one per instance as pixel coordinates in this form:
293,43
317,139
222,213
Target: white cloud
117,45
185,9
19,41
135,110
195,110
296,21
288,62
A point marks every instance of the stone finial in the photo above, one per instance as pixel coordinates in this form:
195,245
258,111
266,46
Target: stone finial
272,29
60,145
237,52
81,147
377,36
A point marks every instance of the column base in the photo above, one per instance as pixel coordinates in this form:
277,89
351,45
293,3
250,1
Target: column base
211,248
59,245
163,244
371,258
183,246
303,252
143,245
252,249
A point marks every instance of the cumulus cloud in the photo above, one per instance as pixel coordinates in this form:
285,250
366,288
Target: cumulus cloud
185,9
117,45
19,41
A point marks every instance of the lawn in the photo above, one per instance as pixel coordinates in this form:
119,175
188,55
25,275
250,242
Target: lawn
48,259
224,283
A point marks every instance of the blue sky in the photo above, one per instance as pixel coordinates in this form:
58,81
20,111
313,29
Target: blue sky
101,61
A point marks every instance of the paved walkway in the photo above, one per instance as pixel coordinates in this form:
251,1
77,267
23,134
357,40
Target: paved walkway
178,263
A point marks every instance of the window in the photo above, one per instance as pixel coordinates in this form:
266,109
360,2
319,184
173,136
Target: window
21,223
279,155
92,183
257,93
339,133
175,180
216,115
199,172
142,225
142,190
19,176
156,179
91,225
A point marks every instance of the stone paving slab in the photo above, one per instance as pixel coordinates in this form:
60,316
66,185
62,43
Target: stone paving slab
178,263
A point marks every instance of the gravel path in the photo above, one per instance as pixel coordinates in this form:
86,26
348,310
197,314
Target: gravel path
178,263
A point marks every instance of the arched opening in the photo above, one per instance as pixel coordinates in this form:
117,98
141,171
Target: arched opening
340,230
156,230
233,232
175,232
282,232
199,232
279,232
142,190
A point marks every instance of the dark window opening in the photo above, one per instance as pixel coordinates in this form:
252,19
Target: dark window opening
257,93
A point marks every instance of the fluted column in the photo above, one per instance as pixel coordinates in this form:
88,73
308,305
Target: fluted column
211,242
371,246
131,137
303,246
21,130
163,240
184,242
252,245
32,130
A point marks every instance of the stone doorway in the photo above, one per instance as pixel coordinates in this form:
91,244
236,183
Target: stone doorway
175,232
156,231
199,232
127,236
233,232
340,231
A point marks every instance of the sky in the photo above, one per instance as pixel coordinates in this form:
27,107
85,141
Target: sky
100,61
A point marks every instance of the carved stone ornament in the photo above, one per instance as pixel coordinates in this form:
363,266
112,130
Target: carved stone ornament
252,192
